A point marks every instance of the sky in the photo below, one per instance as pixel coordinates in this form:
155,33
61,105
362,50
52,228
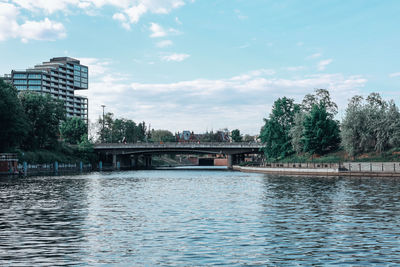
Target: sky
205,65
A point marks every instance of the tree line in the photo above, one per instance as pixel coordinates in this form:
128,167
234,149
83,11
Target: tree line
121,130
310,127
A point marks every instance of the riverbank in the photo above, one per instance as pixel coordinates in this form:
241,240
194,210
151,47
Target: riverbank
368,169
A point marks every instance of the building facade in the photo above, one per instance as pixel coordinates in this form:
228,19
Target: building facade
60,77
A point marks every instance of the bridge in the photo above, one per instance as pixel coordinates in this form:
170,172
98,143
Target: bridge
129,153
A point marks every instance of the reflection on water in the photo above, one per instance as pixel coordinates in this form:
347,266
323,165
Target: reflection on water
191,217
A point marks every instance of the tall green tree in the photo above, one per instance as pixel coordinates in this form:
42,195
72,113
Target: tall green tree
275,132
321,133
297,131
13,124
320,97
236,136
162,136
370,125
44,115
73,129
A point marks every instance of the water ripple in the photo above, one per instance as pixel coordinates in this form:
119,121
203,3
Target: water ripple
198,218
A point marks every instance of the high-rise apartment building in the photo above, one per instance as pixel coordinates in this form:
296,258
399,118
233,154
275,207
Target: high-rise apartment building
59,77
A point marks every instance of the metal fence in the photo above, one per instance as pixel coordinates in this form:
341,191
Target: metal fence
53,168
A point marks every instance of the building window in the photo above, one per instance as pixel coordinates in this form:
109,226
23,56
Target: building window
20,87
34,87
76,78
77,67
84,80
78,84
77,73
84,85
34,82
20,82
84,75
34,76
19,76
84,69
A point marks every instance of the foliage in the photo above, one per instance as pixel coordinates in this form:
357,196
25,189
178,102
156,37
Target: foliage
321,97
321,133
248,138
12,118
120,130
370,125
44,115
73,129
236,136
218,136
297,131
275,133
162,136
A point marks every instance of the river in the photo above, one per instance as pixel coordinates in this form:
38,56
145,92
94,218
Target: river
197,218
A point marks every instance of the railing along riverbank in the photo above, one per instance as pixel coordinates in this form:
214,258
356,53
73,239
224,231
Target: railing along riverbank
327,169
53,168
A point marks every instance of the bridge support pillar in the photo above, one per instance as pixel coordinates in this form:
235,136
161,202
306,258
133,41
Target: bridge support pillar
147,160
230,161
134,161
114,156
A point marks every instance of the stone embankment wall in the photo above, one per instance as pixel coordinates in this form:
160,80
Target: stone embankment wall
328,169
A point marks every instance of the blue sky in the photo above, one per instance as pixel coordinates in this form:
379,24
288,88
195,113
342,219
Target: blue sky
202,65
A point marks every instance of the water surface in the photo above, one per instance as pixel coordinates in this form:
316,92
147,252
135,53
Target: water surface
190,217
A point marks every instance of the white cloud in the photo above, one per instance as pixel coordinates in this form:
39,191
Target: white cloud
42,30
240,15
122,18
295,68
8,21
178,21
135,12
202,104
315,55
158,31
30,30
97,67
396,74
132,10
175,57
323,63
164,43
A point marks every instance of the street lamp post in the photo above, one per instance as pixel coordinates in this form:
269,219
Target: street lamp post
102,137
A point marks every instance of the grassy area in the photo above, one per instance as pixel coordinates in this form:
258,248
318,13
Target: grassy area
342,156
62,154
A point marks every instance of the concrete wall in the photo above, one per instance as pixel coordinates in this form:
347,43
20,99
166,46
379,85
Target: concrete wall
221,162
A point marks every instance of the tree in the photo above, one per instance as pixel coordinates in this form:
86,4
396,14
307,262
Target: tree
321,133
236,136
275,132
162,136
370,125
44,115
13,124
321,97
105,127
297,131
248,138
72,130
354,126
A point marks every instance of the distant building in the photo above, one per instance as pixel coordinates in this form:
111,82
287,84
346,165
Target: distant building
186,137
59,77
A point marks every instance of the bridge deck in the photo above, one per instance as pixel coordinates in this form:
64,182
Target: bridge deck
221,145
